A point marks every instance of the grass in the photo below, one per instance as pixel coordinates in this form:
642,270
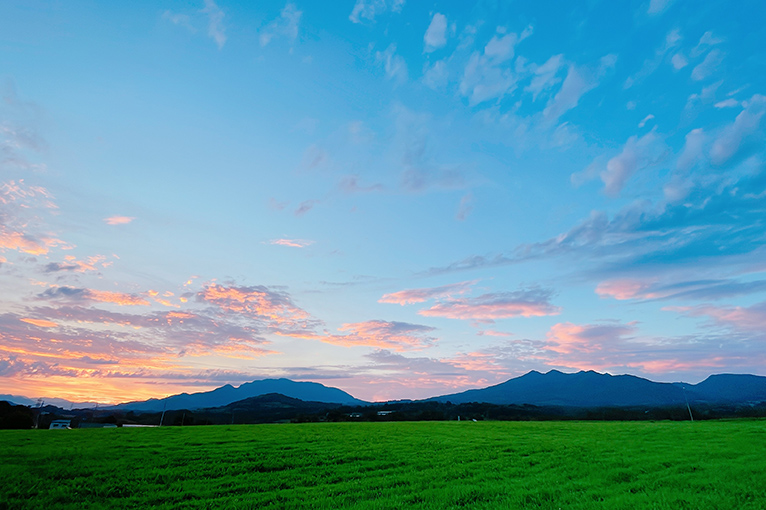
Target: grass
429,465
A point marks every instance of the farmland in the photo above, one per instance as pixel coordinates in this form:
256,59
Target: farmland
573,465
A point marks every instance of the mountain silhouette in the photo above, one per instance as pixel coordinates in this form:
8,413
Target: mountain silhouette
306,391
592,389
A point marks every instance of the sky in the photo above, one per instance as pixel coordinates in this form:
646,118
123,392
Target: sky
397,198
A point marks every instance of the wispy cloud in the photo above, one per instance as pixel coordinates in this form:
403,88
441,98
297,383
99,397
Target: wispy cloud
739,318
273,308
465,207
305,207
180,19
579,80
293,243
672,40
393,64
732,144
370,9
40,323
708,66
286,25
637,153
567,338
102,296
650,289
119,220
350,184
21,227
545,75
215,27
411,296
719,218
78,266
485,75
657,6
494,306
399,336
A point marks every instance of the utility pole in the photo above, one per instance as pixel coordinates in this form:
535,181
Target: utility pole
162,418
40,403
687,404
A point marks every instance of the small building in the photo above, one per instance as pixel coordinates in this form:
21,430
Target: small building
384,413
60,425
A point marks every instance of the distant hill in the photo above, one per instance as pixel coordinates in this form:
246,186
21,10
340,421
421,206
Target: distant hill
592,389
266,408
729,388
307,391
58,402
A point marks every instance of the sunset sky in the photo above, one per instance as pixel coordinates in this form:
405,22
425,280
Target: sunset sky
400,199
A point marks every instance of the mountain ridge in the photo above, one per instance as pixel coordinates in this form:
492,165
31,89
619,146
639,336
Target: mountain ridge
227,394
594,389
552,388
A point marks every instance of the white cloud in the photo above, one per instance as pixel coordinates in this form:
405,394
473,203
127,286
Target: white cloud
545,76
646,119
730,142
638,153
436,35
672,39
708,66
484,77
707,40
465,207
679,61
576,84
436,76
179,19
727,103
483,81
369,9
693,149
657,6
215,28
395,66
286,25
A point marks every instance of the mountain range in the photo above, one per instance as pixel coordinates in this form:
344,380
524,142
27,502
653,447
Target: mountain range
592,389
306,391
585,389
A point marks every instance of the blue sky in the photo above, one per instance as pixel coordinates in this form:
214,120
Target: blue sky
396,198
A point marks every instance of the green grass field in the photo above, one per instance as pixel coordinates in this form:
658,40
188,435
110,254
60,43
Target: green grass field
568,465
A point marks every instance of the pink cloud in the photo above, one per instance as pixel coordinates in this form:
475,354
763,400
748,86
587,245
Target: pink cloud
293,243
568,338
398,336
626,288
742,318
101,296
501,305
26,243
271,308
490,332
78,266
410,296
119,220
